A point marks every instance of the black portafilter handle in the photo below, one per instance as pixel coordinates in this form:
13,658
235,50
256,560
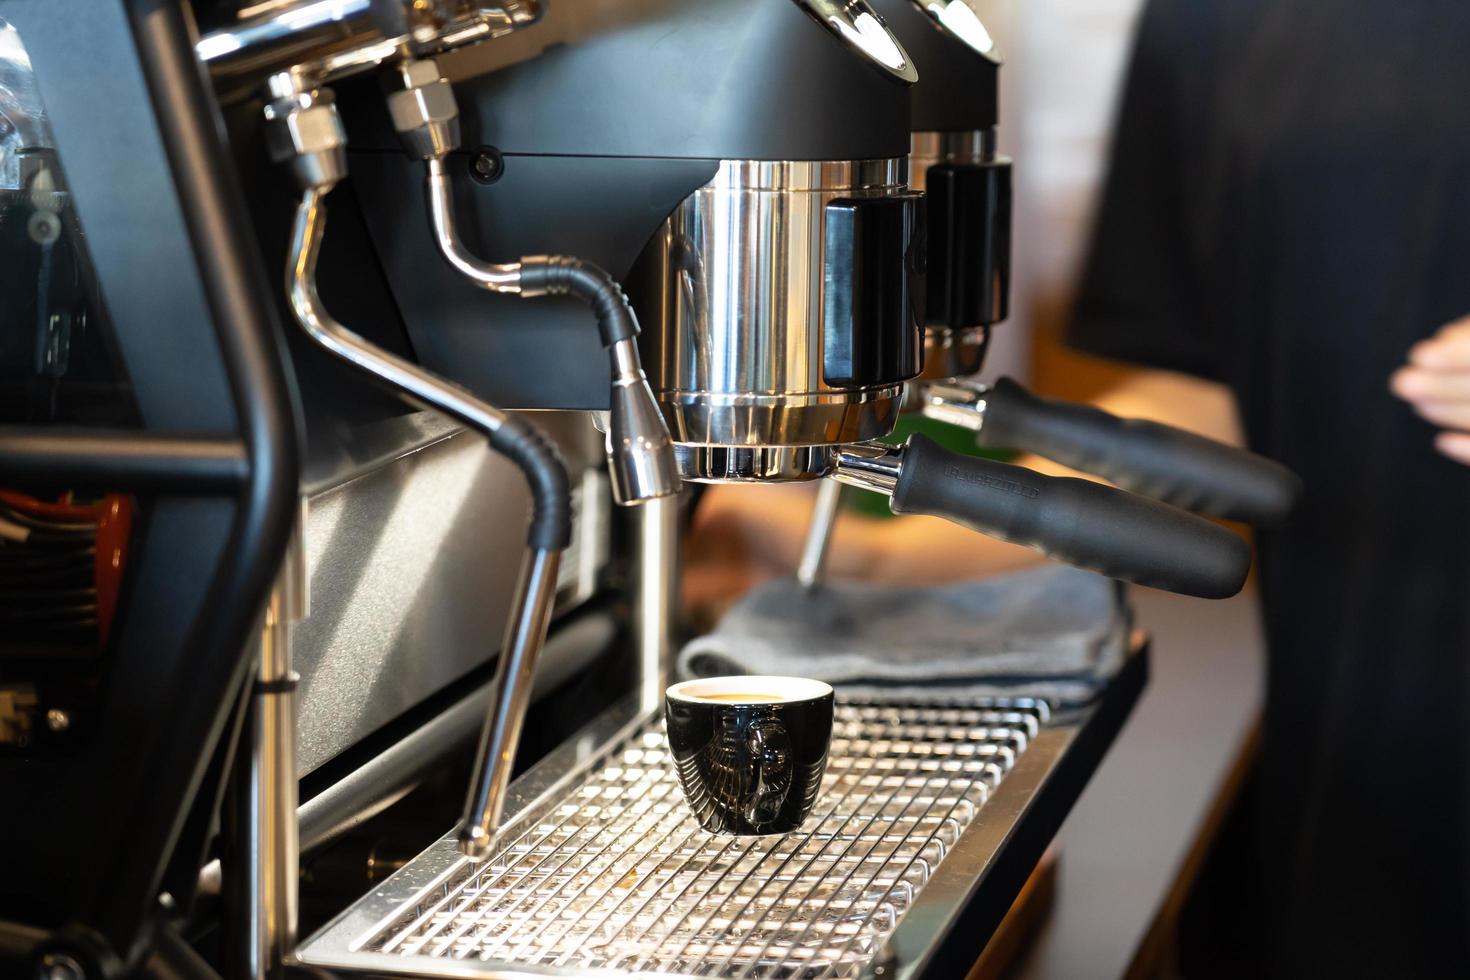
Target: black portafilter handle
1090,525
1149,458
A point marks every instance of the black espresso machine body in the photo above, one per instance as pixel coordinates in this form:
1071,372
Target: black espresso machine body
619,112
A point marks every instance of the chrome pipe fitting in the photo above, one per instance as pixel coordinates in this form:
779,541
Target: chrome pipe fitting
957,402
869,466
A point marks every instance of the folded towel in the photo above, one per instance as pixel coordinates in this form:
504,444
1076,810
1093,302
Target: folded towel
1056,633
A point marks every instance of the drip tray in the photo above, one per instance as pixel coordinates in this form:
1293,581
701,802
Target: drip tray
602,870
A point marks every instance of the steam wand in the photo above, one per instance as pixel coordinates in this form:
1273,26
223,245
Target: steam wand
639,449
304,130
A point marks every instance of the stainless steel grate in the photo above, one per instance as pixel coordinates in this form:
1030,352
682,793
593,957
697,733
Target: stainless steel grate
616,874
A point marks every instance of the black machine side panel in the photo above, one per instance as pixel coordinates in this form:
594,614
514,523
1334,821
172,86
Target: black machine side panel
539,353
731,79
958,88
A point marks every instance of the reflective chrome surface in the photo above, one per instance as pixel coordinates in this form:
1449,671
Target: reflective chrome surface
497,278
750,464
951,353
640,455
270,874
960,403
322,40
22,118
734,349
812,568
961,19
524,635
861,27
603,871
873,467
655,596
928,148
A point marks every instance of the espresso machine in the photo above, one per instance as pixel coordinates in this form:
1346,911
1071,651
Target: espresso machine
632,247
954,160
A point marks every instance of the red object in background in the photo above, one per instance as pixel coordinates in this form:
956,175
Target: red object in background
113,516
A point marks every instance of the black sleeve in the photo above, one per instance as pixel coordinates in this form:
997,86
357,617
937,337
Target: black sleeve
1141,297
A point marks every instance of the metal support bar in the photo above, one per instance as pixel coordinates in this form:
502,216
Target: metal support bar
656,596
138,461
272,867
524,634
813,566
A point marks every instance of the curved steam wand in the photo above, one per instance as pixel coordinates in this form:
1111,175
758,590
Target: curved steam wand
639,449
304,130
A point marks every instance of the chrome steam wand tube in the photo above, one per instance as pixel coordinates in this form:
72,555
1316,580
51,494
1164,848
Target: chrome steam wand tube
640,452
524,633
304,130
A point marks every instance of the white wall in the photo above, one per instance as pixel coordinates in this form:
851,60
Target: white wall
1063,63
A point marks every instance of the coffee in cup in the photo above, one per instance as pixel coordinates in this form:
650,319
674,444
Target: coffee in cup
750,750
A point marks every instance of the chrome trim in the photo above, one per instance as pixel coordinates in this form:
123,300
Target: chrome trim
951,352
734,343
753,464
873,467
811,570
501,278
959,403
848,176
767,421
322,40
525,632
961,20
272,866
927,148
655,596
865,33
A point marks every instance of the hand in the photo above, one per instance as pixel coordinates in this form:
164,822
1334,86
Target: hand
1436,382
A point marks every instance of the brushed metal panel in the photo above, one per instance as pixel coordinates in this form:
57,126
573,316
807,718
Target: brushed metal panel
412,565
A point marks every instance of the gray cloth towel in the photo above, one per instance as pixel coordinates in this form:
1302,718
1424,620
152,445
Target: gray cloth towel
1054,632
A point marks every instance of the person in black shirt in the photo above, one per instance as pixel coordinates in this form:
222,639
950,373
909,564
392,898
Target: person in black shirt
1288,211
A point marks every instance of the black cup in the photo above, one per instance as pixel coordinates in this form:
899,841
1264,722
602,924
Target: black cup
750,750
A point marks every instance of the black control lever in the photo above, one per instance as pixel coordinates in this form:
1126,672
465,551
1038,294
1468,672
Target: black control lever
1149,458
1090,525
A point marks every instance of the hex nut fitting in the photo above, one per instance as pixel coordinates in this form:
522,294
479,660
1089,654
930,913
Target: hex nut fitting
421,104
305,131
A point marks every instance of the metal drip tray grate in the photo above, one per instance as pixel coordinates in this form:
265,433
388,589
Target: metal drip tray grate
612,872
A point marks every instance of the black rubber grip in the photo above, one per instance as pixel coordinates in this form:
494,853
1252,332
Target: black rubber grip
546,474
1120,534
1155,460
563,274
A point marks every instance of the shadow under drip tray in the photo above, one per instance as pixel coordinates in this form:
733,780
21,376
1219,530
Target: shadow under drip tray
931,815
